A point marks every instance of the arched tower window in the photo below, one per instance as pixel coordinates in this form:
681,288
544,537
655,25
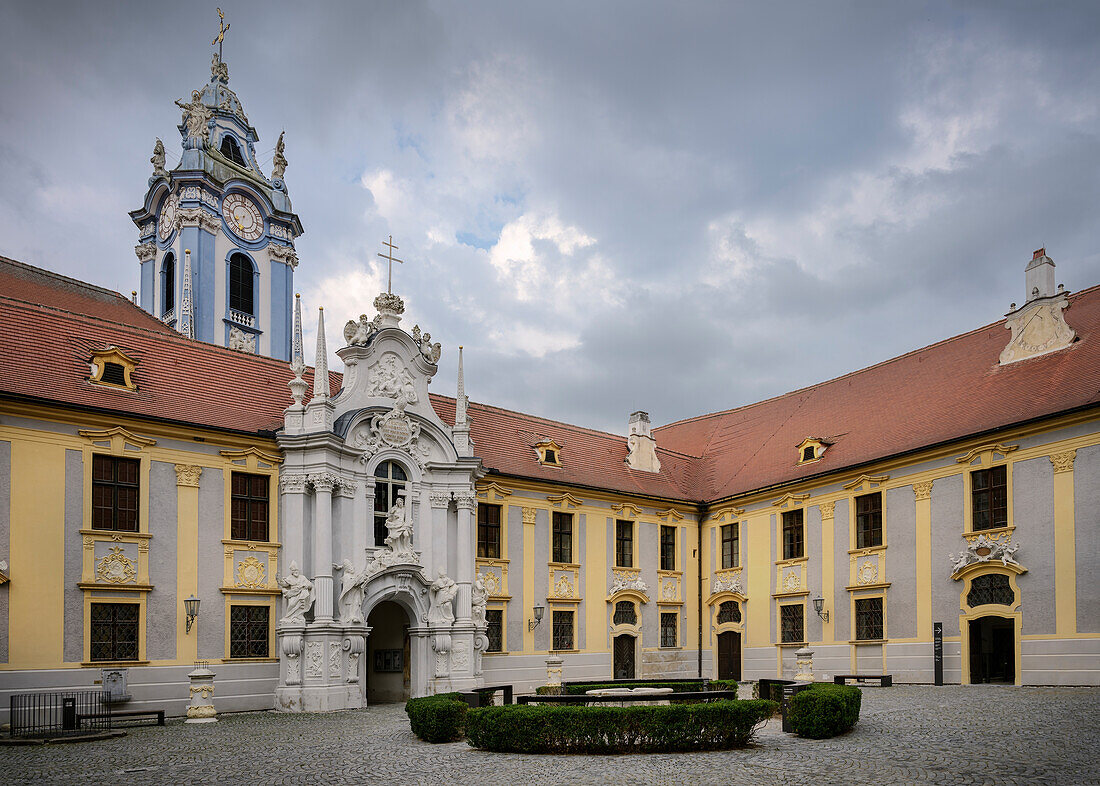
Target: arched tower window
231,150
240,284
168,275
390,479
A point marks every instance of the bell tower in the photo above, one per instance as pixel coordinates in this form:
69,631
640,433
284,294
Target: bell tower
219,222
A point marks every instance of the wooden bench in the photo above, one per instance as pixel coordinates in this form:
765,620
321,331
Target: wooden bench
884,680
131,714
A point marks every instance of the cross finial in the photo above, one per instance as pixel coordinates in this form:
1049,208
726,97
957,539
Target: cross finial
391,259
222,29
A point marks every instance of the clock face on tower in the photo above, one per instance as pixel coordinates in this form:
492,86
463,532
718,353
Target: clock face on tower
243,217
167,221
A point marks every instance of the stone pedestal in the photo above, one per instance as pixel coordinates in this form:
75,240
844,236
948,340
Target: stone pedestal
554,672
804,660
201,709
322,666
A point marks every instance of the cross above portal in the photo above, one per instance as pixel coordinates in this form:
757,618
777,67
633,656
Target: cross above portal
389,257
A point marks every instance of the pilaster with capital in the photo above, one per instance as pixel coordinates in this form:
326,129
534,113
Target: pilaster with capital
441,547
464,570
323,484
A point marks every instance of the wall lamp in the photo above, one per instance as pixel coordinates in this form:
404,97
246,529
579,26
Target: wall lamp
191,606
532,624
819,607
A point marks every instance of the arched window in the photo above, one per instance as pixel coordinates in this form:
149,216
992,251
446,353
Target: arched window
626,613
992,588
390,479
240,284
231,150
168,275
729,611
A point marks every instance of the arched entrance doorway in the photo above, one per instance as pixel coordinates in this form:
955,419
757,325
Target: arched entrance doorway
992,650
389,661
729,655
623,657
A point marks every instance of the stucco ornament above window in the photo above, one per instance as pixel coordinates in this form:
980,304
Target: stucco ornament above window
984,550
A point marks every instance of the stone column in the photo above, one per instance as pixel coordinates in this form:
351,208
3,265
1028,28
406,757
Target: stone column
323,485
440,548
464,568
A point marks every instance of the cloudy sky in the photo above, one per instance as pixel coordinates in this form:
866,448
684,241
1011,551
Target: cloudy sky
679,207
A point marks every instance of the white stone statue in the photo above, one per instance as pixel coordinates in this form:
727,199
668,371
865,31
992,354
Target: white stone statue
479,598
196,115
278,166
388,379
158,159
399,537
351,592
298,594
444,590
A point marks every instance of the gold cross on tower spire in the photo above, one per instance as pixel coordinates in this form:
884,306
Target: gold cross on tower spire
223,28
391,259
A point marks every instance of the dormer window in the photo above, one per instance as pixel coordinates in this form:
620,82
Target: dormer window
811,449
112,367
231,150
549,453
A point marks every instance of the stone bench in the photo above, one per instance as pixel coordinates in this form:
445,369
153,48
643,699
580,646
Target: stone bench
158,715
884,680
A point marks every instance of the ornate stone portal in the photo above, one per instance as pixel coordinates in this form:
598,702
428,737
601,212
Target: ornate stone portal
336,447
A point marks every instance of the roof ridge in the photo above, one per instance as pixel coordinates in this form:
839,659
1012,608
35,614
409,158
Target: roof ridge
51,274
573,426
809,388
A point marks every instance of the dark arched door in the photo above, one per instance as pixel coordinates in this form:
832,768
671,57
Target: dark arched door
729,655
623,657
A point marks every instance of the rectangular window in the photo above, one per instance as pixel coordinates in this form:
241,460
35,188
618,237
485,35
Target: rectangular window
248,631
668,547
794,543
624,544
114,631
869,520
791,623
563,630
495,632
488,531
668,628
869,619
249,506
989,495
563,538
731,546
115,493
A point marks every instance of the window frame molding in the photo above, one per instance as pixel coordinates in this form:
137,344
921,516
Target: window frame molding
98,365
874,592
137,599
661,612
502,607
779,623
861,487
634,532
237,599
986,457
253,461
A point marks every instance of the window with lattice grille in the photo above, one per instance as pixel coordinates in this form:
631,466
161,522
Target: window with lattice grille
626,613
991,589
792,623
114,631
869,619
668,628
494,618
730,611
563,630
248,631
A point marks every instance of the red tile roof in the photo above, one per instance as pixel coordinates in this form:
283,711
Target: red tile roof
49,325
943,392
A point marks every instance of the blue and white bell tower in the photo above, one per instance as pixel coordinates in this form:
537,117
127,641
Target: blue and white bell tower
216,244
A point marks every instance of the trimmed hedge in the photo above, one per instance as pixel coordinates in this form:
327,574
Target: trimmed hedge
824,710
583,687
522,728
440,718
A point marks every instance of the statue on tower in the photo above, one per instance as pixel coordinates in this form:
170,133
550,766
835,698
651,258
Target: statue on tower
196,117
278,166
158,160
219,71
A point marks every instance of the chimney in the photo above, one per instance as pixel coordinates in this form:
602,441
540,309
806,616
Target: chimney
641,447
1040,276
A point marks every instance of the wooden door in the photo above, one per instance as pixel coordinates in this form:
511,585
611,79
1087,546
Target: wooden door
623,658
729,656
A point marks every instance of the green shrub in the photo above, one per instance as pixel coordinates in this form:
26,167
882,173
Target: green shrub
723,685
440,718
523,728
583,687
824,710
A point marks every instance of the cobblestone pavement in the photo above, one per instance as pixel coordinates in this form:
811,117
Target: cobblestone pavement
949,735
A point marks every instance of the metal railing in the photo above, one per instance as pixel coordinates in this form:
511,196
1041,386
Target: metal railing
61,713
